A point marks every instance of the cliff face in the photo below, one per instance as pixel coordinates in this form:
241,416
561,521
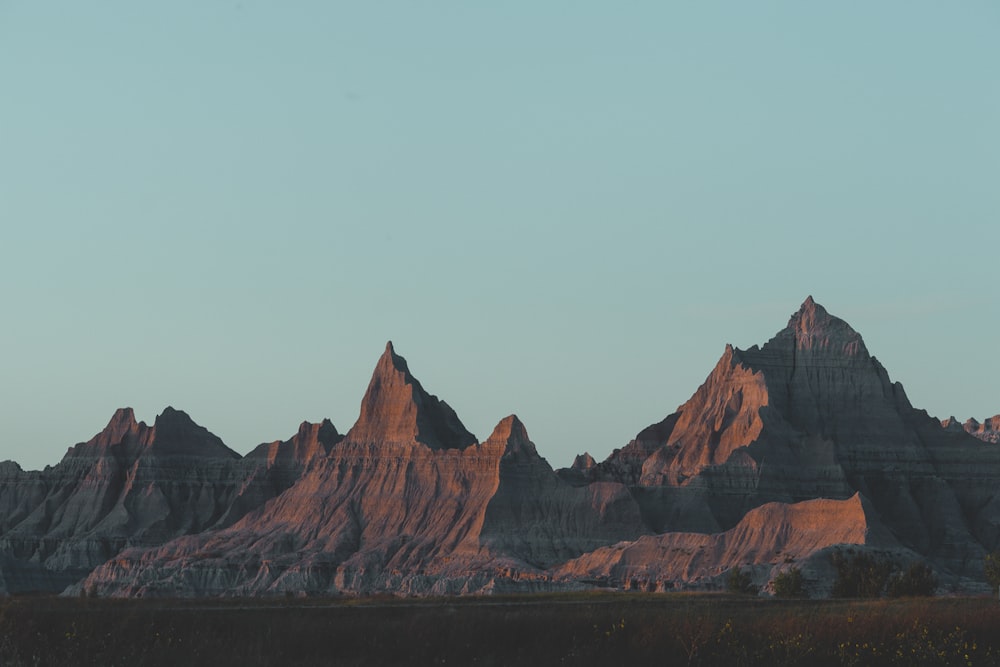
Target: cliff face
131,484
988,430
396,409
765,537
812,414
538,518
787,451
406,503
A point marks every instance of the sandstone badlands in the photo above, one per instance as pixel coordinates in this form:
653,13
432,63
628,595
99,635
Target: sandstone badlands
787,452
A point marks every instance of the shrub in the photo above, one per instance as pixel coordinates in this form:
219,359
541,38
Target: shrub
860,576
740,582
788,584
917,580
991,564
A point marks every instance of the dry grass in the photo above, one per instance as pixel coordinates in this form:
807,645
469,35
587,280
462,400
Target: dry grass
670,629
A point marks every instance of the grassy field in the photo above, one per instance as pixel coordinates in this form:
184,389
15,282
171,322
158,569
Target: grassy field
597,629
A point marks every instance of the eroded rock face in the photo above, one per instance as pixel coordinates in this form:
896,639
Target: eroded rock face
540,519
405,503
768,536
312,441
131,484
987,431
813,414
396,409
786,452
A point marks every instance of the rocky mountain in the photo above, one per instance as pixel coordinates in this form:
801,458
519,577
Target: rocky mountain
787,452
811,414
133,485
987,431
407,502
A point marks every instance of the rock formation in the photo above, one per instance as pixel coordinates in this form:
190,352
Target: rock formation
766,536
405,503
987,431
396,409
786,452
812,414
536,517
129,485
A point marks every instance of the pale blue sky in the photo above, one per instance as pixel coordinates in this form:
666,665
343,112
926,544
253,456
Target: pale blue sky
562,210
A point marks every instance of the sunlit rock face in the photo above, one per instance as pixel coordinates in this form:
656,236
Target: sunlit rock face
988,430
396,409
130,485
786,452
765,537
811,414
407,502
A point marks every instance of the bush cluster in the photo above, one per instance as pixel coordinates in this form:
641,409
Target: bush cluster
788,584
916,581
991,567
859,576
867,576
739,581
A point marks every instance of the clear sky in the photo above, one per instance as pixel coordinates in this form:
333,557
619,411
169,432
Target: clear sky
563,210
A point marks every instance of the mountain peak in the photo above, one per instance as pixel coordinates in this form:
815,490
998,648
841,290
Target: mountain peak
310,441
583,462
390,355
813,328
397,409
176,434
121,429
810,315
121,423
511,433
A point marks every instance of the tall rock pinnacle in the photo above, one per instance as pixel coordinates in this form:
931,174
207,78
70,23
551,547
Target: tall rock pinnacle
397,409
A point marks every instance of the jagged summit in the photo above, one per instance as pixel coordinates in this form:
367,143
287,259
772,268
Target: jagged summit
583,462
987,431
786,451
514,436
310,441
121,425
122,432
173,433
176,434
813,329
396,409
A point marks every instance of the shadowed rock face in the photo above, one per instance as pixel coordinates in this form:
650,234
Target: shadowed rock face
987,431
396,409
131,484
403,504
787,451
813,414
542,520
312,441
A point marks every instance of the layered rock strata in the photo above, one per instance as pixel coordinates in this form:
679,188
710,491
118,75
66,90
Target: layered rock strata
988,430
766,538
132,485
405,503
812,414
787,452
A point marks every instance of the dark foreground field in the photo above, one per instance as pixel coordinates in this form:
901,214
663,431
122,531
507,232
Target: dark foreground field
670,629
